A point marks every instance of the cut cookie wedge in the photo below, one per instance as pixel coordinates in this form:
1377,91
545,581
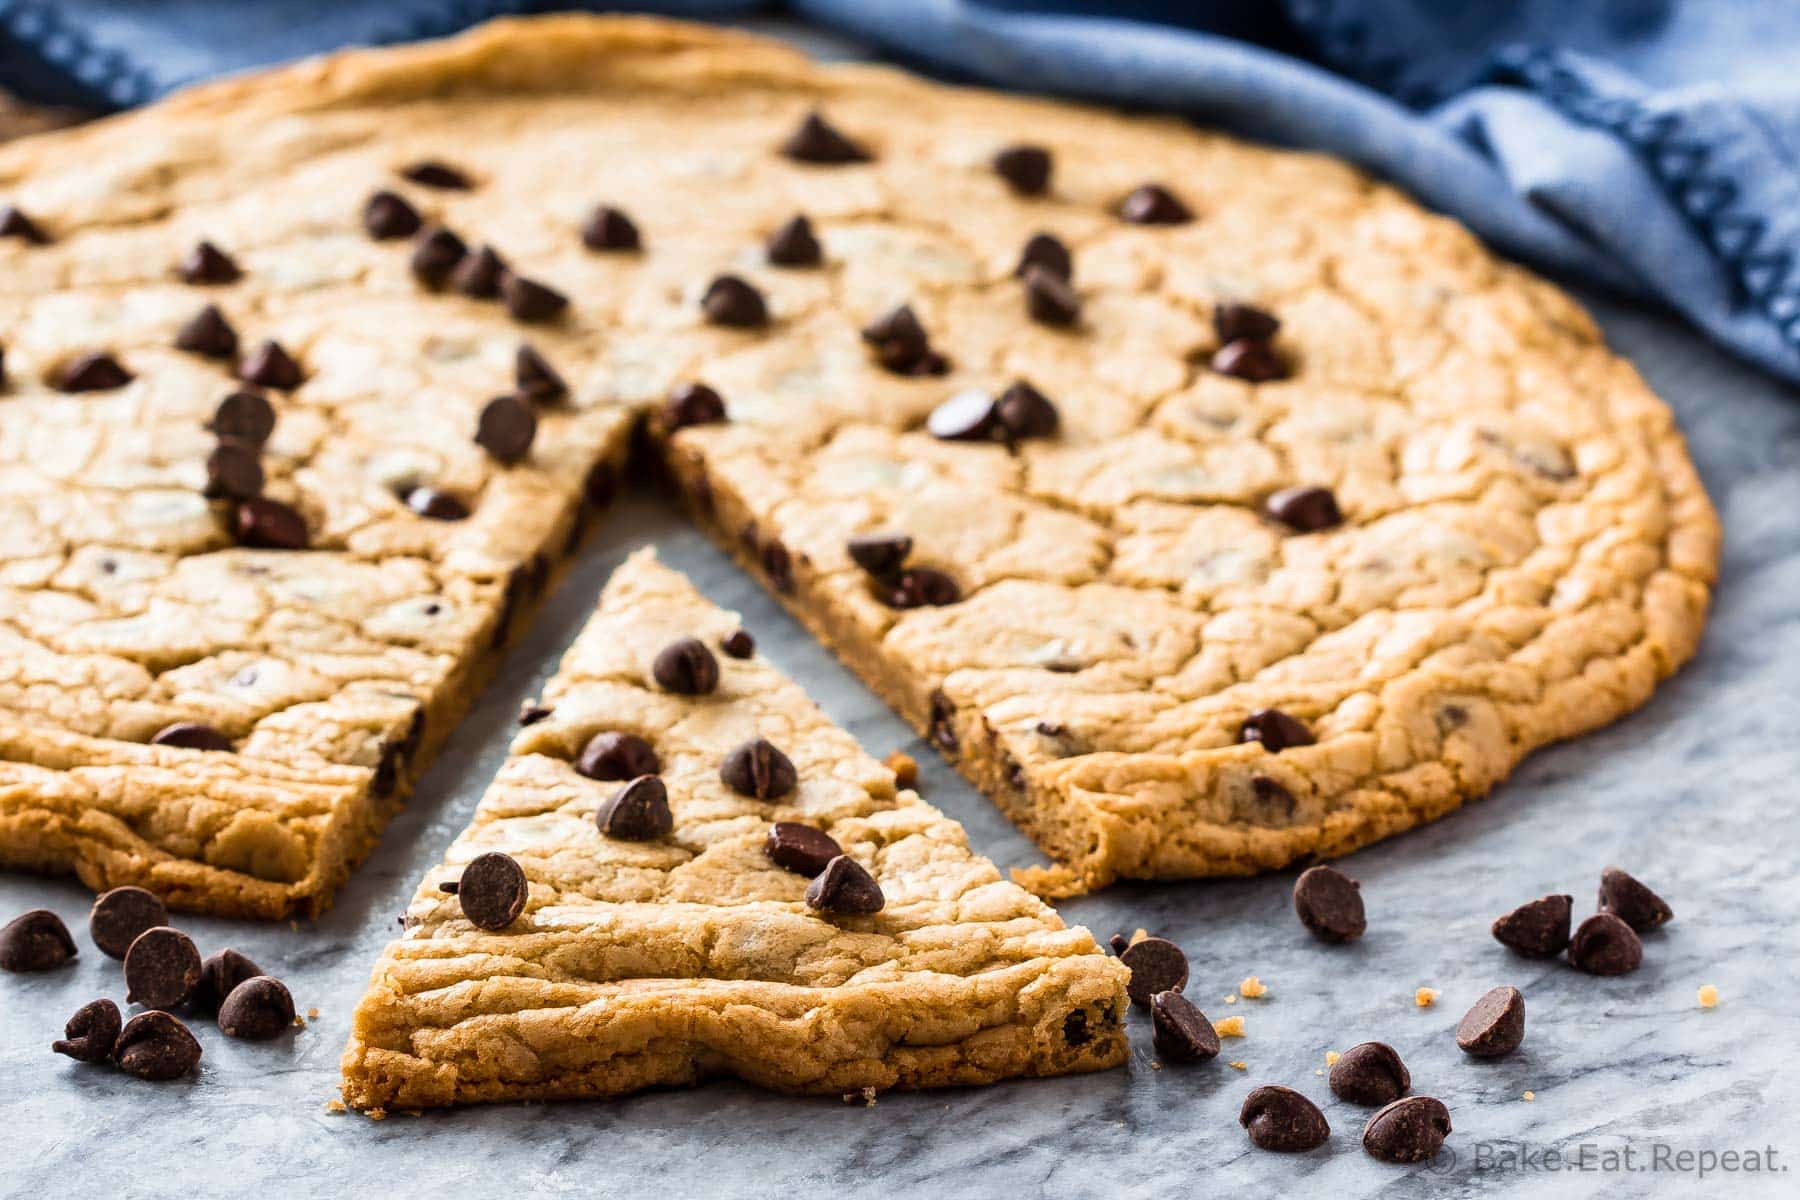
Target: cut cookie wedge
639,963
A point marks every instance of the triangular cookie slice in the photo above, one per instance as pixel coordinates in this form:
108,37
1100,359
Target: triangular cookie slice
643,958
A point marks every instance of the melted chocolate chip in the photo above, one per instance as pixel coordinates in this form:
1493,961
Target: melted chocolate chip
265,524
1026,169
1049,300
220,975
1153,204
435,504
1157,965
738,643
191,735
1605,945
478,275
1370,1073
686,667
1407,1131
91,1033
387,215
506,428
120,915
156,1046
731,302
531,713
96,371
233,471
529,301
245,417
613,755
918,587
1232,322
208,334
15,224
162,968
1539,929
758,769
794,245
1046,252
1494,1026
535,378
609,228
1180,1031
817,141
800,848
1632,902
433,174
35,941
637,812
257,1010
691,404
1282,1120
271,366
435,256
844,886
1250,360
1275,730
1305,509
492,890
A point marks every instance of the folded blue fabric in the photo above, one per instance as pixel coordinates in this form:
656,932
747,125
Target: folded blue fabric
1650,146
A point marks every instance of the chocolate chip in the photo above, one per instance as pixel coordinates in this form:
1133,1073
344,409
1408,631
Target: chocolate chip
478,275
118,916
758,769
1046,252
1283,1120
637,812
942,727
506,428
245,417
1494,1026
438,505
1232,322
96,371
535,378
207,333
800,848
686,667
880,554
265,524
1605,945
1049,300
433,174
1370,1073
1539,929
738,643
970,415
387,215
845,887
1153,204
156,1046
162,968
1304,509
1250,360
531,713
258,1009
530,301
1407,1131
1330,905
730,301
35,941
1024,412
492,890
1179,1031
191,735
817,141
1026,169
918,587
610,229
234,471
613,755
691,404
207,264
91,1033
1157,965
15,224
902,345
1276,730
1632,902
600,485
793,245
220,975
435,256
271,366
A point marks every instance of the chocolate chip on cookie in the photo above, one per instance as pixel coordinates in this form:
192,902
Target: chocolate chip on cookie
738,643
846,887
1234,322
1632,902
734,303
387,215
1409,1130
637,812
529,301
531,712
258,1009
608,228
15,224
233,471
1605,945
1046,252
1180,1031
1494,1026
1330,904
436,504
535,378
191,735
435,256
434,174
35,941
1539,929
220,974
1249,359
119,915
506,428
758,769
918,587
162,968
1153,204
265,524
156,1046
686,667
1276,730
800,848
207,264
818,141
612,755
1157,965
1049,300
1370,1073
1024,412
880,554
244,416
478,275
1026,169
901,344
691,404
89,1035
1282,1120
271,366
970,415
95,371
794,245
208,334
492,890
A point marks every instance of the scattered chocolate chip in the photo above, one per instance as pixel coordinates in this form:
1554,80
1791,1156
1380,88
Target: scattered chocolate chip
1407,1131
758,769
220,975
492,890
817,141
637,812
686,667
1049,300
1494,1026
800,848
1153,204
387,215
436,504
506,428
1046,252
1283,1120
207,264
730,301
433,174
970,415
1370,1073
610,229
478,275
535,378
162,968
1605,945
156,1046
96,371
1330,905
530,301
1119,942
880,554
1233,322
1539,929
233,471
738,643
265,524
794,245
35,941
435,256
613,755
119,915
1026,169
191,735
15,224
902,345
844,886
269,365
207,333
1632,902
1024,412
1304,509
259,1009
91,1033
1157,965
1276,730
691,404
918,587
1179,1031
244,416
1250,360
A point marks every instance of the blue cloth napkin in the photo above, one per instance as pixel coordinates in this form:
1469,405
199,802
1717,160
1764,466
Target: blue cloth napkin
1649,146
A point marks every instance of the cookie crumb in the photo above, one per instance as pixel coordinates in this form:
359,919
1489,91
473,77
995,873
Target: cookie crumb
1709,996
1229,1027
1530,1096
1252,988
299,1021
1425,997
905,768
334,1107
376,1114
1231,999
1238,1065
1138,935
1331,1057
312,1014
865,1097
